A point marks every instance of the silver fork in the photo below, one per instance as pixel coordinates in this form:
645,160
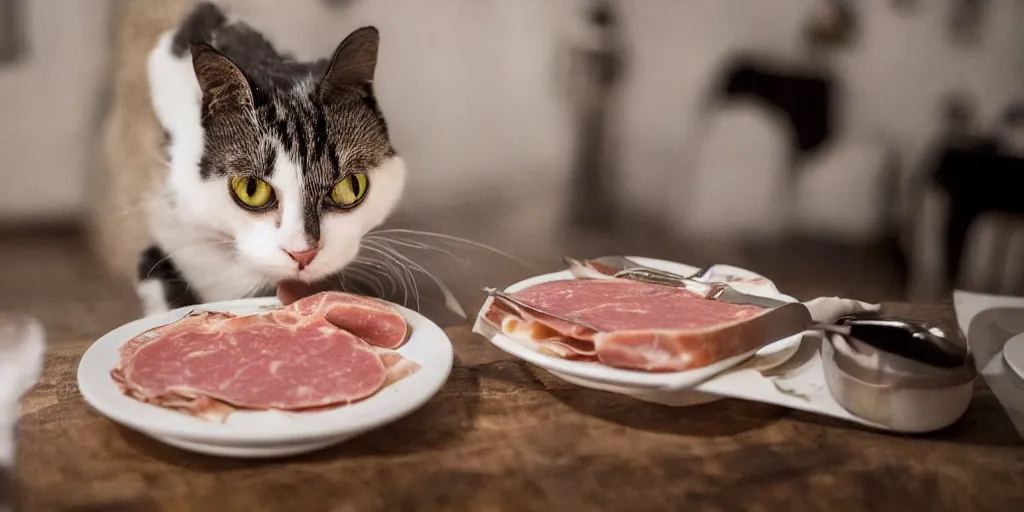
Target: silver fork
714,291
623,264
494,292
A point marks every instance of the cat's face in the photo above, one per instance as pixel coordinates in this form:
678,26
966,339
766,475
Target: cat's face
293,178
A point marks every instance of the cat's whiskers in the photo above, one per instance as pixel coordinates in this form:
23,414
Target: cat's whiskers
355,271
411,267
339,282
376,267
382,267
403,259
453,239
368,278
388,267
412,244
407,275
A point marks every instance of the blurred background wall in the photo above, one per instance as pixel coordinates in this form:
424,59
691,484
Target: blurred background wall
51,93
479,97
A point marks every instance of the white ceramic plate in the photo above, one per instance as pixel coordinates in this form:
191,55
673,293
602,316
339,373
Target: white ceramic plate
264,433
605,377
1013,353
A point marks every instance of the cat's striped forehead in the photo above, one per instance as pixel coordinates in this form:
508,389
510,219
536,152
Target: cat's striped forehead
281,109
326,143
291,129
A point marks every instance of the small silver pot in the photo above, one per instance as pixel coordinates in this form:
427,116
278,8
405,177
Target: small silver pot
900,393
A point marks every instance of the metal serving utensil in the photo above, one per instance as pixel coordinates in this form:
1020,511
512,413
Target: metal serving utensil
586,269
494,292
913,340
614,264
903,374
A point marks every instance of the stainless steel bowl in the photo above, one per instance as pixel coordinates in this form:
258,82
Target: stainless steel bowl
903,394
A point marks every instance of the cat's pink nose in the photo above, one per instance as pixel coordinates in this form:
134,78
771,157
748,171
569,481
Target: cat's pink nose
304,257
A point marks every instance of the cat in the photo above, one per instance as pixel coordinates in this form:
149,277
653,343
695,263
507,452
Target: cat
277,168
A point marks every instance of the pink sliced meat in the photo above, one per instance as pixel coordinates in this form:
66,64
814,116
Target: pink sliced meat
370,319
625,323
547,339
293,358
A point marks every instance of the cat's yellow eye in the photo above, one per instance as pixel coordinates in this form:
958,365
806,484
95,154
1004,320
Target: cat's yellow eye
252,192
350,190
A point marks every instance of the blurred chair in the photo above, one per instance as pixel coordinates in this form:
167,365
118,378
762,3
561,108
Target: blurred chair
593,67
771,164
842,191
803,95
993,258
740,183
968,230
925,232
977,181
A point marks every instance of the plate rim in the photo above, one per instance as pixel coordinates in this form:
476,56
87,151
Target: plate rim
298,432
635,379
1015,360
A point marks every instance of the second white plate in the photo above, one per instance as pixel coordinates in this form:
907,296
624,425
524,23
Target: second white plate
605,377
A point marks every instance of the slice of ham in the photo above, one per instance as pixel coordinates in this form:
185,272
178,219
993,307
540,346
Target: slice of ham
523,326
370,319
625,324
325,350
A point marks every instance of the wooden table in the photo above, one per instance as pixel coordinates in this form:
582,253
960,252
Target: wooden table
503,435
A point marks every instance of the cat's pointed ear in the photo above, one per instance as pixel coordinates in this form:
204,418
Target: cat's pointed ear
224,86
352,66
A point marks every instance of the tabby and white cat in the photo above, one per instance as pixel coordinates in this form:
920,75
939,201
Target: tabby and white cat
277,168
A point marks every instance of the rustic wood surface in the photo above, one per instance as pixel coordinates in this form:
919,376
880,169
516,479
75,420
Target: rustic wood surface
503,435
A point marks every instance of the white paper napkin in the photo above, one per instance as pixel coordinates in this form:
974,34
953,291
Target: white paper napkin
987,321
